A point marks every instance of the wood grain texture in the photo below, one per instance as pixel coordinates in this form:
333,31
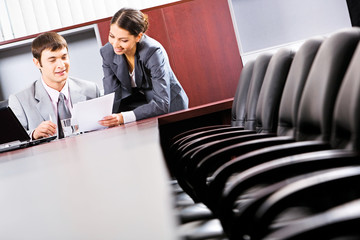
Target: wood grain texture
205,52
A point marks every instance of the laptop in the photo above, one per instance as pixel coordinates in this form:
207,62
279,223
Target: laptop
12,133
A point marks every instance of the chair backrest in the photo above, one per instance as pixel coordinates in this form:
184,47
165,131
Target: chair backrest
261,64
340,222
321,88
314,194
239,103
271,91
345,135
346,130
4,103
294,85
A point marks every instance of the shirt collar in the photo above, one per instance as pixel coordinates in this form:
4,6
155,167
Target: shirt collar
54,94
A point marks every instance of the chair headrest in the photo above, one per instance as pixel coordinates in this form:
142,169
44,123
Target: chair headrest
321,88
261,64
271,91
294,85
238,107
346,130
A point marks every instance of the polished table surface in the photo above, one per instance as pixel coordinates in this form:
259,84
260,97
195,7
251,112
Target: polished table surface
107,184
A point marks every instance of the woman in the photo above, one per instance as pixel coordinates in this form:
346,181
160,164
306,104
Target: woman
136,67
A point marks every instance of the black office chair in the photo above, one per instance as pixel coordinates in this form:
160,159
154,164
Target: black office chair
315,112
197,221
253,90
186,209
259,69
237,113
197,164
271,176
341,222
4,103
306,197
198,213
249,189
277,70
238,106
269,97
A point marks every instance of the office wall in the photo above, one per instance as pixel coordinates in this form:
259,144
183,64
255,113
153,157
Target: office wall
205,53
266,24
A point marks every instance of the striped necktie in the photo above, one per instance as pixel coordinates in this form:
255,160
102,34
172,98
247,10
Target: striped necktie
63,113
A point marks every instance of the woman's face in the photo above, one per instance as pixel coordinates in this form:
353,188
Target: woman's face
122,41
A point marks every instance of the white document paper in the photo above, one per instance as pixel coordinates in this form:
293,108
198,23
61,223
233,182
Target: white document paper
88,113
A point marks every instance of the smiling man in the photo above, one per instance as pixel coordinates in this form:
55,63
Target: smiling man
37,106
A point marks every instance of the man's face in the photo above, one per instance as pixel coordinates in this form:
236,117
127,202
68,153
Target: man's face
54,67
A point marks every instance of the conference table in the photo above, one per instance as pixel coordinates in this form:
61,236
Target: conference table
106,184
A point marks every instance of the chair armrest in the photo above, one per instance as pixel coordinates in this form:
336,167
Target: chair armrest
269,177
317,193
251,159
208,165
184,167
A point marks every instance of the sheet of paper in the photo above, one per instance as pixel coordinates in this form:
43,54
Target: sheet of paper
88,113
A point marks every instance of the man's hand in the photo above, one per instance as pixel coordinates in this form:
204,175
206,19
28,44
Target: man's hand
45,129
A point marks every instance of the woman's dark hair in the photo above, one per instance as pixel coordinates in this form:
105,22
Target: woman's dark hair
131,20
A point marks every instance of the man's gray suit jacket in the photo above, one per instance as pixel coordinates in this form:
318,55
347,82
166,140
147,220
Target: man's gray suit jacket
153,76
33,105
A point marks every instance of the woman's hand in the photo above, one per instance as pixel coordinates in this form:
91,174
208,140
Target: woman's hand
112,120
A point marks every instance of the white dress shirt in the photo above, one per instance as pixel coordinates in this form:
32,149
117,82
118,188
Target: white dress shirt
129,116
54,97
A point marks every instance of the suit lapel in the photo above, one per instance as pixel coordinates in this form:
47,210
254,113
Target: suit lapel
75,92
138,71
122,73
44,105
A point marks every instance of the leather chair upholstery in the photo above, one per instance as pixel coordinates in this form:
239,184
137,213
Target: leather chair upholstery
287,115
315,110
237,110
340,222
280,172
310,196
253,91
345,136
300,169
274,80
238,107
4,103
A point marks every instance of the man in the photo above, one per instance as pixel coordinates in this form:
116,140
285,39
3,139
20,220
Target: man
36,107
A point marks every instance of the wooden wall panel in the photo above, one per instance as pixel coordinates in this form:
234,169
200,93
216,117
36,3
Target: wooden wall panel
104,28
200,40
206,56
158,30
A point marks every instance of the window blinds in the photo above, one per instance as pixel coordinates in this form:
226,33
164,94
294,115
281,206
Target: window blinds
19,18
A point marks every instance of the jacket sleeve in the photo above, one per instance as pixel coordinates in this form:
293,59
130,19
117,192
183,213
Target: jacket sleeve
19,112
158,73
110,82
